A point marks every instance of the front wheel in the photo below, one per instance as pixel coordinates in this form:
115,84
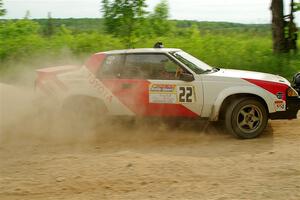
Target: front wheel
246,118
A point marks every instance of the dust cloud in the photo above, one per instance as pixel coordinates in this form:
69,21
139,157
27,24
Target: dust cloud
25,116
42,158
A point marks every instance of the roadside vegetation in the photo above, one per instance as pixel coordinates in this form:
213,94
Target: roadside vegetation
28,44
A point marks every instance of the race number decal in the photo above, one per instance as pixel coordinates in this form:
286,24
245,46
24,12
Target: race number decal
186,94
171,94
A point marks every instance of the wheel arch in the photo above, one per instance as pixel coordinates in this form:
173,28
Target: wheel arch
228,95
82,97
230,98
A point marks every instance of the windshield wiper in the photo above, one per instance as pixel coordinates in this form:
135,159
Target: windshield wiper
216,69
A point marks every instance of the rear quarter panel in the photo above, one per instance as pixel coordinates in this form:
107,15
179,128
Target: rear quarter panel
84,83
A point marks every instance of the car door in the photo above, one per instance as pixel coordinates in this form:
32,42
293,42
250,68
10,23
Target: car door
125,83
146,83
169,95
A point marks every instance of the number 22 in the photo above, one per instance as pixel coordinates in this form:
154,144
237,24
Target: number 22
186,94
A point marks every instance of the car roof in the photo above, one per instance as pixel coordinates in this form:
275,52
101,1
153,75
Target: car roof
143,50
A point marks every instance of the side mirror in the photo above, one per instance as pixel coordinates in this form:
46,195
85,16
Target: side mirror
296,82
296,79
186,77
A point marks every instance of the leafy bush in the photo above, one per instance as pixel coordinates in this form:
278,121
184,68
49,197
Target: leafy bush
243,47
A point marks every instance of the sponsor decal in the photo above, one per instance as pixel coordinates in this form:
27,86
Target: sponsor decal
280,105
171,94
163,93
279,95
95,83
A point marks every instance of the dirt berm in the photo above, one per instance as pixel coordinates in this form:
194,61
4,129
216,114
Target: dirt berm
146,160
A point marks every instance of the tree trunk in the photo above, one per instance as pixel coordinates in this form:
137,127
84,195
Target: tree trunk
279,42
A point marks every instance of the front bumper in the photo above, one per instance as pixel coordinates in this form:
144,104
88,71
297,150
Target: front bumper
292,108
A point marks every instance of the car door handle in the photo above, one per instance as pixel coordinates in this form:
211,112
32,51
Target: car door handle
126,85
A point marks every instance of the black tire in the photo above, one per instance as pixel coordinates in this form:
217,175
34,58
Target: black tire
83,113
246,118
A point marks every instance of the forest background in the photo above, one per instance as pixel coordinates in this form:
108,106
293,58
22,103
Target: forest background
28,44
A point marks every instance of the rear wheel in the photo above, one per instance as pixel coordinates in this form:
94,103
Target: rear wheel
83,113
246,118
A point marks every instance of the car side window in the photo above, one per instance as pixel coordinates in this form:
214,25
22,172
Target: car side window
111,67
149,66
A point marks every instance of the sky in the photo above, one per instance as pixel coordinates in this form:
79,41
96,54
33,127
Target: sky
241,11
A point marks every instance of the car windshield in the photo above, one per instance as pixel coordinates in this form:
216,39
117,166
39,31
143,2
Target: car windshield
191,62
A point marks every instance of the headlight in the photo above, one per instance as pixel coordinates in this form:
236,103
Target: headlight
291,92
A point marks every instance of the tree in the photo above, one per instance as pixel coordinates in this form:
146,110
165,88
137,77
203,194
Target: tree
124,18
49,29
159,19
2,11
161,10
292,28
27,14
283,27
279,43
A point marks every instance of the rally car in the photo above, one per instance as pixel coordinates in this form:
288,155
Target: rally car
167,82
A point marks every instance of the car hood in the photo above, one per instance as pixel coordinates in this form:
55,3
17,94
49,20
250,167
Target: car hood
231,73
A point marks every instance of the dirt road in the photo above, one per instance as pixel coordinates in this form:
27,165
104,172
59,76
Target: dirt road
148,160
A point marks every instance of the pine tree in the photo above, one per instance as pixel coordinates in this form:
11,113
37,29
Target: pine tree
49,30
27,14
2,10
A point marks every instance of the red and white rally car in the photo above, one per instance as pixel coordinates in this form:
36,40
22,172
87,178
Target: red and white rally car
164,82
